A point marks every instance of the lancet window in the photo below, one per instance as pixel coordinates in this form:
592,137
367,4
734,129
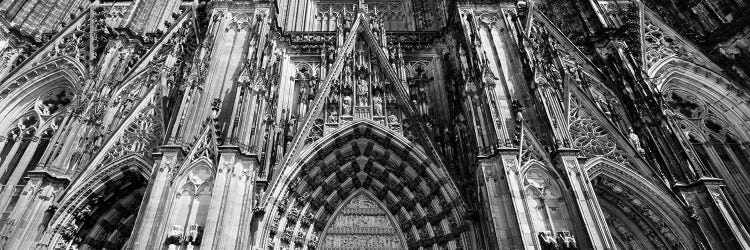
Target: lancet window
190,210
548,211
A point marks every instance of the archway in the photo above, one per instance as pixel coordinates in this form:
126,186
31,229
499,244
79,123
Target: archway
640,215
101,213
20,94
364,156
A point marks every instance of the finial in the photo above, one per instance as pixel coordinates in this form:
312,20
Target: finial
362,6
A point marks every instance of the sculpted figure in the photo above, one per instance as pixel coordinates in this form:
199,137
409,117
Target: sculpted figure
347,105
363,92
174,237
636,141
377,103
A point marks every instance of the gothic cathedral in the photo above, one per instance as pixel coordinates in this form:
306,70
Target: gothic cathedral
374,124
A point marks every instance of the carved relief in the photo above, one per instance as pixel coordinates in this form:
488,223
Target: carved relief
362,224
141,136
591,137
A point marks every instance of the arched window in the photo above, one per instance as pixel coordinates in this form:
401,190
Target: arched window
548,211
190,207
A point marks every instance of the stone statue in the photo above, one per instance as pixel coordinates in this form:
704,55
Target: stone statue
363,92
195,235
392,119
333,116
636,142
377,103
174,237
347,105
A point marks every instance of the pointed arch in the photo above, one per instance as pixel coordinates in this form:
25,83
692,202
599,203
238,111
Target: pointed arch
18,94
190,196
310,128
712,118
200,162
630,199
724,96
87,212
547,202
148,106
554,173
364,154
52,49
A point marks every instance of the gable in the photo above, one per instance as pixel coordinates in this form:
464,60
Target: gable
362,83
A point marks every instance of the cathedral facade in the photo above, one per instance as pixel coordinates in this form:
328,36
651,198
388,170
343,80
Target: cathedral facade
374,124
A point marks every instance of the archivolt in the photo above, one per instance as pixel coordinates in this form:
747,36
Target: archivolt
724,96
133,167
363,155
653,203
19,93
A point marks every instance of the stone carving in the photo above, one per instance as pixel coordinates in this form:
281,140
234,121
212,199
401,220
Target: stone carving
175,236
347,105
142,136
194,235
591,137
363,92
658,44
377,103
636,142
362,224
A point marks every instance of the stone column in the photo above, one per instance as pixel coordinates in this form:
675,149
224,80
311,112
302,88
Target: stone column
247,205
18,172
145,233
588,206
218,194
8,158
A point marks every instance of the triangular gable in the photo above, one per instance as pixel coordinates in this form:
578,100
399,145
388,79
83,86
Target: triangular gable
147,112
162,46
313,125
574,68
65,43
596,136
569,53
660,44
531,149
205,146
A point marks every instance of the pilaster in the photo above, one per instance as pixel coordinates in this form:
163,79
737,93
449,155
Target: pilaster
18,171
231,200
503,201
588,206
155,199
38,202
